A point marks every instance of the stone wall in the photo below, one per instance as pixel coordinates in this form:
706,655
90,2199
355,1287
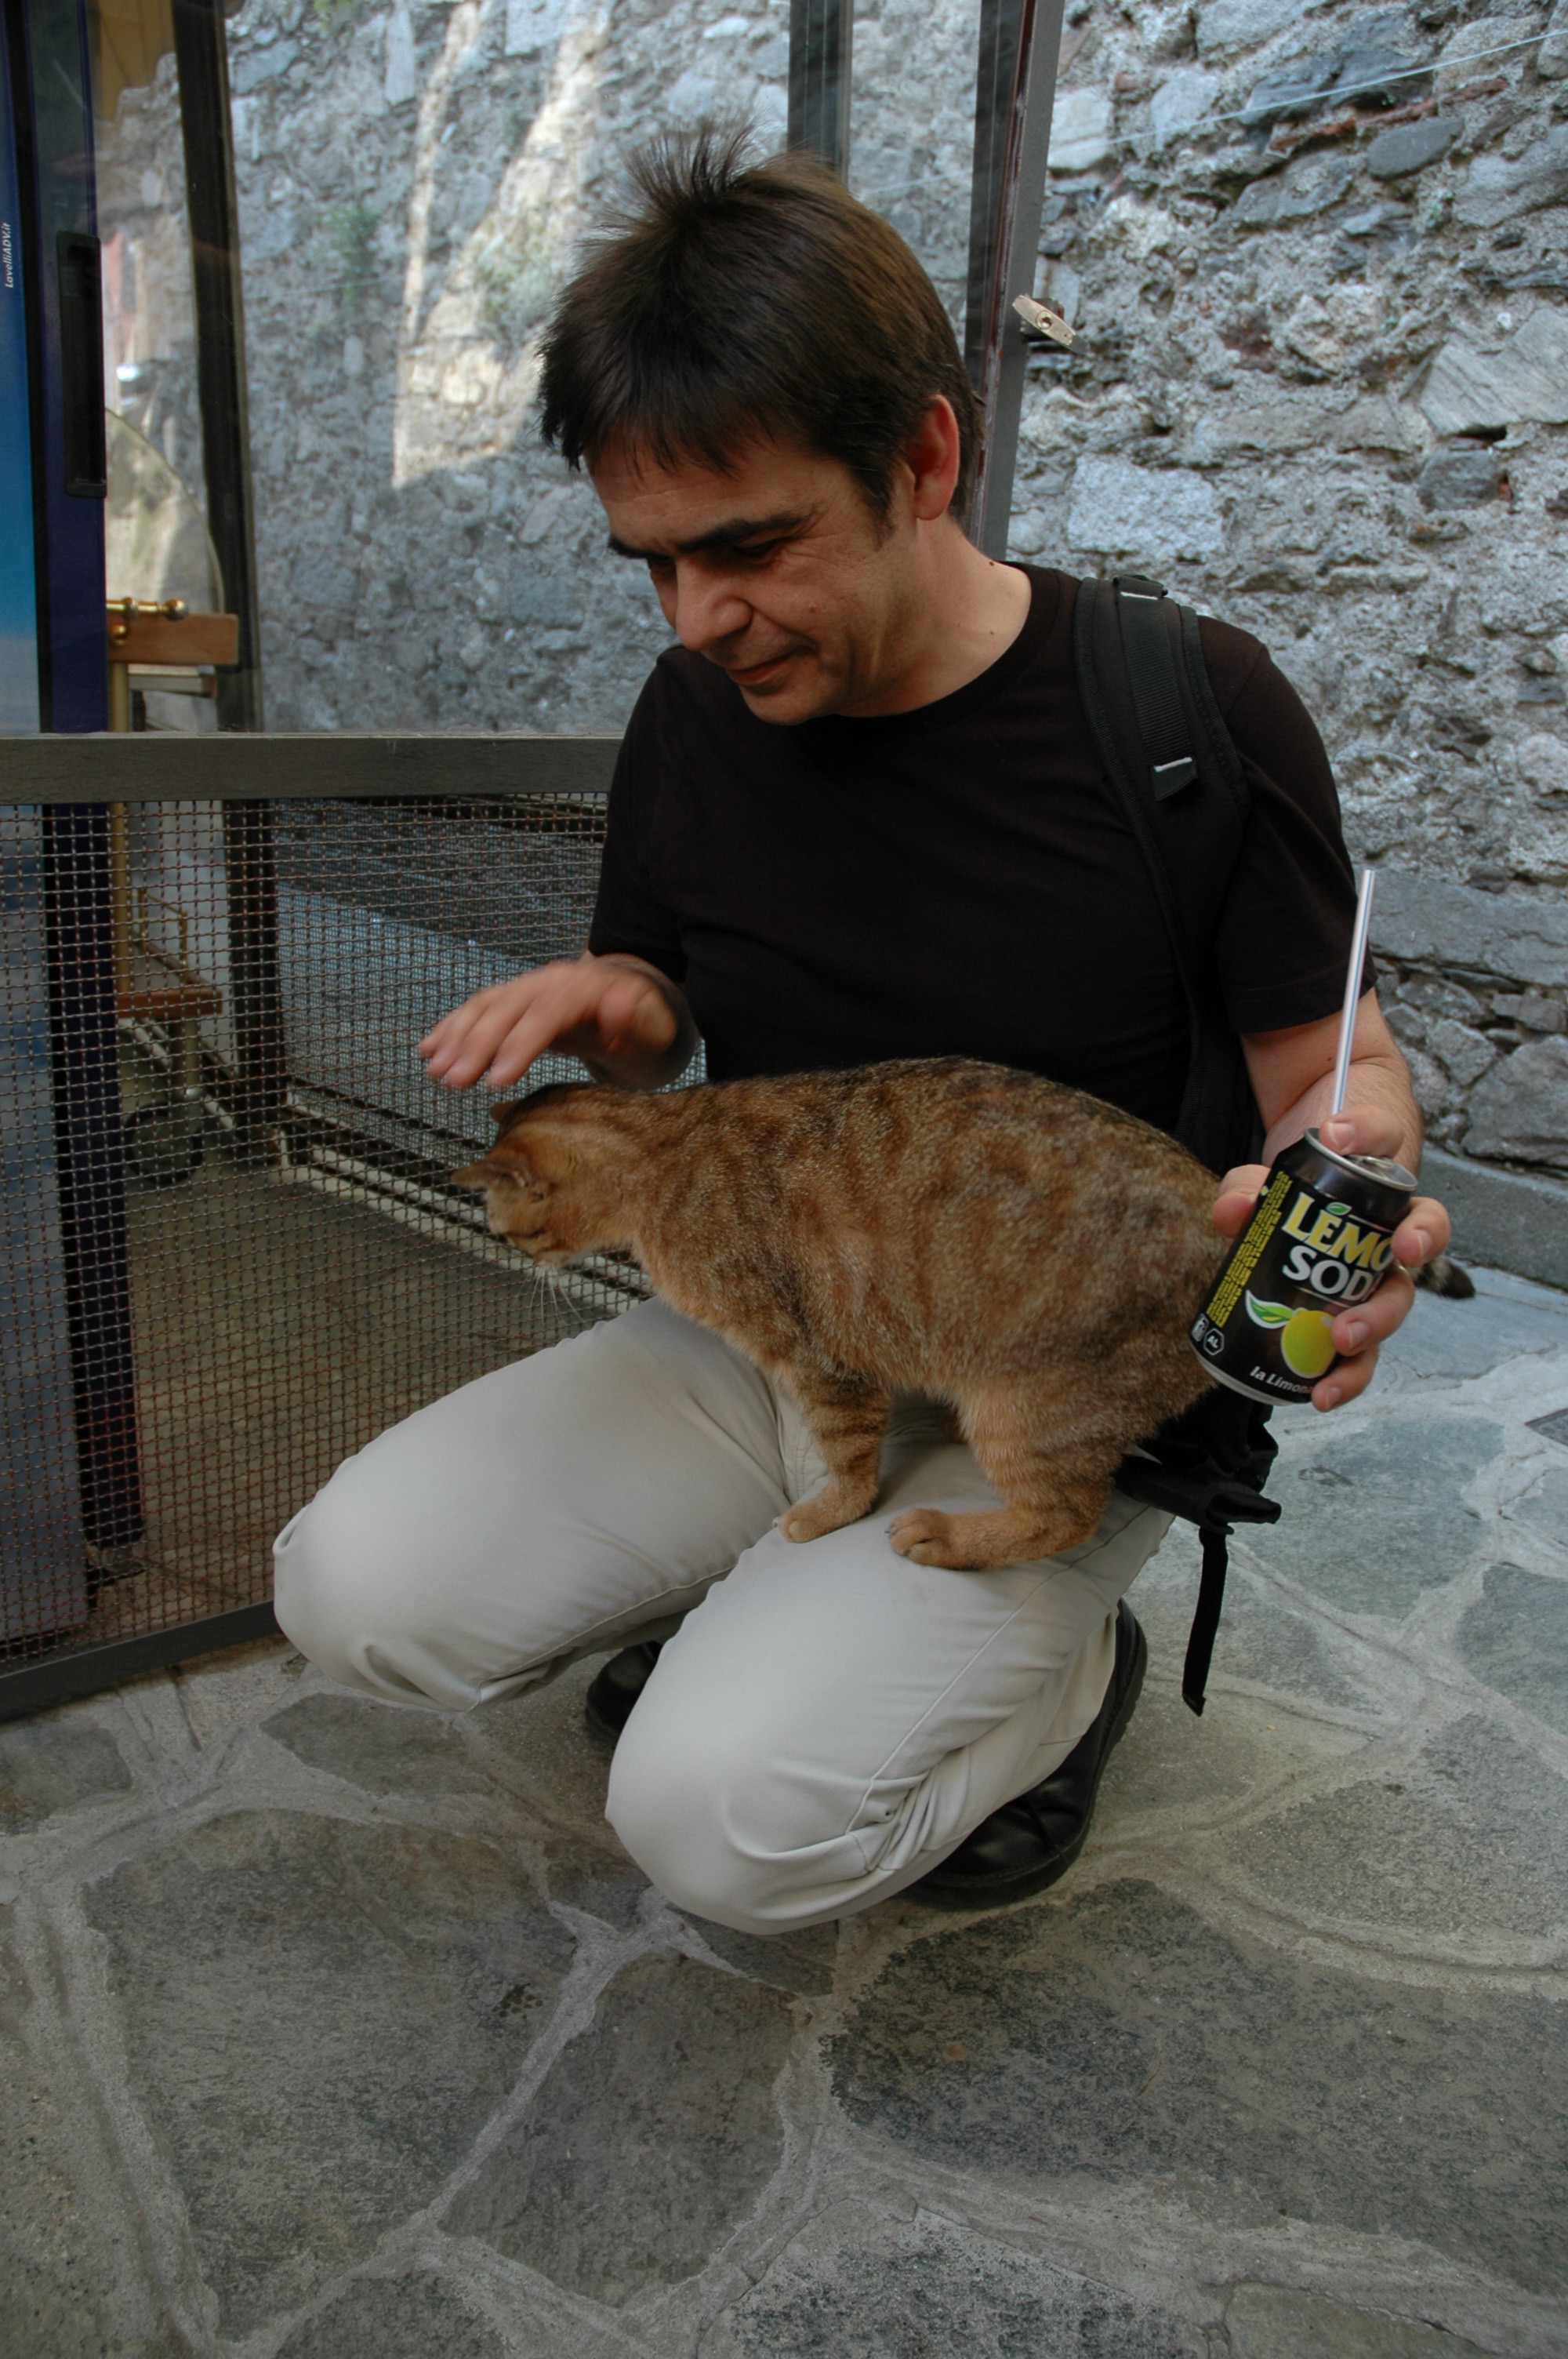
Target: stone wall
1475,984
1324,376
1317,259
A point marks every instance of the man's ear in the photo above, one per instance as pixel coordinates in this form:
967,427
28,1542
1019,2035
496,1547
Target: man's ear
933,455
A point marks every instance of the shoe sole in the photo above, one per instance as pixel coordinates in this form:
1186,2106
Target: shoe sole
604,1730
997,1892
610,1728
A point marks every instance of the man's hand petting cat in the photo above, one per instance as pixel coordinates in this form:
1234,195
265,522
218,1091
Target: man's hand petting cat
628,1023
1421,1236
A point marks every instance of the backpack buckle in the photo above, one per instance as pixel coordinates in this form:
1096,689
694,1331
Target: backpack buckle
1170,778
1138,586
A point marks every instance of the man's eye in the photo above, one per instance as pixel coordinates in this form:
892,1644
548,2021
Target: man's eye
758,552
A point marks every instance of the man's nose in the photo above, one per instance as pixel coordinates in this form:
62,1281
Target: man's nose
707,609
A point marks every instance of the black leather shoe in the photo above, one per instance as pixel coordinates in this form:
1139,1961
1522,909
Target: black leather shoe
1032,1841
612,1694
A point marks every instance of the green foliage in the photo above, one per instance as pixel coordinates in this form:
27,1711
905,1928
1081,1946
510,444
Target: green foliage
332,14
514,280
345,249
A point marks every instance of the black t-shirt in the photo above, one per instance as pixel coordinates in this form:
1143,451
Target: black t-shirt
959,880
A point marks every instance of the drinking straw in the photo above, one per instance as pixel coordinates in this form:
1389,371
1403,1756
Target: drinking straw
1353,986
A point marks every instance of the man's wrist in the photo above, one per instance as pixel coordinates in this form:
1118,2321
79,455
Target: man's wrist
635,1066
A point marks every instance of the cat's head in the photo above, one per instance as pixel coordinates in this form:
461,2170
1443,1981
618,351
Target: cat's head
550,1179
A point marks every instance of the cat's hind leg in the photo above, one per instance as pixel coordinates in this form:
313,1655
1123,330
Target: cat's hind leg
847,1415
1052,1467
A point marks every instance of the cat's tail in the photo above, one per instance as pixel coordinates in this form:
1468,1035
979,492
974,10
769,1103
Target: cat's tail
1440,1276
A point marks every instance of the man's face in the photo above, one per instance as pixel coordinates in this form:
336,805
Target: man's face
776,571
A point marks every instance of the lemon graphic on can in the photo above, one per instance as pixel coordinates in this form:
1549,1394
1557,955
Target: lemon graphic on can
1307,1345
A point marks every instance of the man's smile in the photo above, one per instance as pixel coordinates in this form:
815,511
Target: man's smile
758,675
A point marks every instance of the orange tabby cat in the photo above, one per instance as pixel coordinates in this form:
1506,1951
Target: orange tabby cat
1020,1251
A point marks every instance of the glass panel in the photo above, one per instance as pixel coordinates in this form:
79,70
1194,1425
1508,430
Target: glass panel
149,319
412,184
156,544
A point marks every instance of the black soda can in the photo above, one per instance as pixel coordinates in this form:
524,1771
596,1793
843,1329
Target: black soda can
1320,1239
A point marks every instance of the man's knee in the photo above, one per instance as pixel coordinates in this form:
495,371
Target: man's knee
713,1816
676,1818
361,1587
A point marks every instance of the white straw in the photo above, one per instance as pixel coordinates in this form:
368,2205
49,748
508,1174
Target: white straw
1353,987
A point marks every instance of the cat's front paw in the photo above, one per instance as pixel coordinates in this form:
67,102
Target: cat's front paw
812,1517
927,1535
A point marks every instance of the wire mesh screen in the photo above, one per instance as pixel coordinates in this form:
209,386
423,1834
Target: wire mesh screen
233,1252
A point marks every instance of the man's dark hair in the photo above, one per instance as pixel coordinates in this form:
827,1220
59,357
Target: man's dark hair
751,302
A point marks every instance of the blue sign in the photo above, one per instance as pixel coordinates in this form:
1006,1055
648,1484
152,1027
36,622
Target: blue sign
19,584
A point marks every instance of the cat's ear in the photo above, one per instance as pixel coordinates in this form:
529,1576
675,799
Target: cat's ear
485,1173
509,1164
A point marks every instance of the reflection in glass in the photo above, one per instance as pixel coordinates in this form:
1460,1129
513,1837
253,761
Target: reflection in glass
149,323
156,544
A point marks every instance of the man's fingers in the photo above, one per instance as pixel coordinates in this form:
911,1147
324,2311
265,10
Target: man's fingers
534,1009
582,1007
1374,1321
453,1026
1357,1332
1424,1233
1362,1130
1344,1383
582,1019
505,1050
1239,1192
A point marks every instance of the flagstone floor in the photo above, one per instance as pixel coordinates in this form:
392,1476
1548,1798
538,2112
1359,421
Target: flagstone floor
330,2031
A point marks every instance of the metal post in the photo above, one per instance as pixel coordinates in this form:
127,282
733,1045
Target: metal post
1015,89
255,984
820,36
84,1072
255,991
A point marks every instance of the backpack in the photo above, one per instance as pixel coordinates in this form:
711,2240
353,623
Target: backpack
1178,779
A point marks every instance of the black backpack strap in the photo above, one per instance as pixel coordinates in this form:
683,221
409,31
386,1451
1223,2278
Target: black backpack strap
1215,1541
1210,1468
1179,782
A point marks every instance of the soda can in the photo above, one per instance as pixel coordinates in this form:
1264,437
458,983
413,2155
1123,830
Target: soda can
1321,1238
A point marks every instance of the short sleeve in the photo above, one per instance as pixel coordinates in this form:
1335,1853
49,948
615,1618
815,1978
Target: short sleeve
1285,932
629,915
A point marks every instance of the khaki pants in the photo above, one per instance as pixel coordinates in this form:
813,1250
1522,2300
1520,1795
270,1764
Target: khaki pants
829,1720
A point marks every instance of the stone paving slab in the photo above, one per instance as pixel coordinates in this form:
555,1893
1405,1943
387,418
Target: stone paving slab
329,2028
50,1765
1118,2037
317,2017
934,2287
651,2137
375,2316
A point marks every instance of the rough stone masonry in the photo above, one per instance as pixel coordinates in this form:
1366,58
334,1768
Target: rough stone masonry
1316,256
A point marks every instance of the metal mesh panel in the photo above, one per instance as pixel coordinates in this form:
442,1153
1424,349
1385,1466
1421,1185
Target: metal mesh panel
231,1250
